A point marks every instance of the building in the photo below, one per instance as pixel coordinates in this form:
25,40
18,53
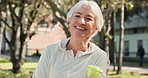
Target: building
45,35
135,34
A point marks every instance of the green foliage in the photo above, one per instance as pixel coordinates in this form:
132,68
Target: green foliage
108,36
95,40
129,5
138,6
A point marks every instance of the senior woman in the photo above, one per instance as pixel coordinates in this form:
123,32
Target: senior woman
70,58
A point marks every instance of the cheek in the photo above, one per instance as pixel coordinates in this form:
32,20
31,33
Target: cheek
71,22
95,30
92,26
71,27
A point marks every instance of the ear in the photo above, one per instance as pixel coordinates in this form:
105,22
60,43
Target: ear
96,29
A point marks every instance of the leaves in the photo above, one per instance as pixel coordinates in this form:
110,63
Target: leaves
129,5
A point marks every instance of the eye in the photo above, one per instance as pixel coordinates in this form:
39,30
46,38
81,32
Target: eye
89,19
77,15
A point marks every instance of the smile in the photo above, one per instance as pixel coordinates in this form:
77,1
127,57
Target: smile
80,28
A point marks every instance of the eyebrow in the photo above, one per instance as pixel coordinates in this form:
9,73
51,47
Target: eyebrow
89,15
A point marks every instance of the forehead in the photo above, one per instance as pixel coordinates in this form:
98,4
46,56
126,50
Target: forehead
86,10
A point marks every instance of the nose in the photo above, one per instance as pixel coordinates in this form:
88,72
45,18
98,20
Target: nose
82,21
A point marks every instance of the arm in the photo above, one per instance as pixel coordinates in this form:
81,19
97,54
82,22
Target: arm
42,68
104,64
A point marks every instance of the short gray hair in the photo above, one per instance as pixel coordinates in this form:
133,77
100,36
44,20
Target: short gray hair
95,8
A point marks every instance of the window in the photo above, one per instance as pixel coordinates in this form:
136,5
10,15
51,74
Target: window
134,30
126,48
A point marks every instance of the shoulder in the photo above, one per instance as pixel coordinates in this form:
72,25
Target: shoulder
52,46
100,54
102,58
61,44
98,50
57,46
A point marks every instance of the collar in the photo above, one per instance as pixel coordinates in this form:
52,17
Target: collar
91,49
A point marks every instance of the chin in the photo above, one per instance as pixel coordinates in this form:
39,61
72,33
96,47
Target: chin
82,35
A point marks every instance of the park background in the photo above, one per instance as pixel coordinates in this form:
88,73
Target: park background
28,26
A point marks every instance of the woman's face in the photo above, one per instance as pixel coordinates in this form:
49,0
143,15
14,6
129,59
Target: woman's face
83,22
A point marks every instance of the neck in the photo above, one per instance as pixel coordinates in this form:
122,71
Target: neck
77,44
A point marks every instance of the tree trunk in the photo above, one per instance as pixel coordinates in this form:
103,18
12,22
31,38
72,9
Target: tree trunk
111,45
108,33
1,38
102,39
107,47
22,56
16,66
21,51
121,39
16,63
13,49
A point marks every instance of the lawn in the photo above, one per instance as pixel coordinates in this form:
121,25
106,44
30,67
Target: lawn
112,74
28,68
6,66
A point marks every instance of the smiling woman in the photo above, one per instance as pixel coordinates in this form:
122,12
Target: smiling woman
71,57
94,7
83,22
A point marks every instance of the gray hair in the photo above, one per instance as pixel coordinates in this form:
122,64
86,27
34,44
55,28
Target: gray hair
95,8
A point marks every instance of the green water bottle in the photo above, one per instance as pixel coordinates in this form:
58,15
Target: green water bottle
94,71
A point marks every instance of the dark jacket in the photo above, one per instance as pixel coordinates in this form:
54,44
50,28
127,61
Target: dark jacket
141,51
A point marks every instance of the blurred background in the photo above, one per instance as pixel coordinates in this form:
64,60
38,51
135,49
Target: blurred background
28,26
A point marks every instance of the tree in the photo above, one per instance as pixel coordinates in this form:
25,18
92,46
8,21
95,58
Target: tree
107,35
2,3
60,11
121,38
1,37
131,8
18,22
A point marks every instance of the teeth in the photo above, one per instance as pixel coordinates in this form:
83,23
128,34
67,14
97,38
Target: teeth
80,28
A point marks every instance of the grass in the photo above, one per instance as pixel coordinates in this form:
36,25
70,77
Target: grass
134,63
112,74
6,66
29,67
